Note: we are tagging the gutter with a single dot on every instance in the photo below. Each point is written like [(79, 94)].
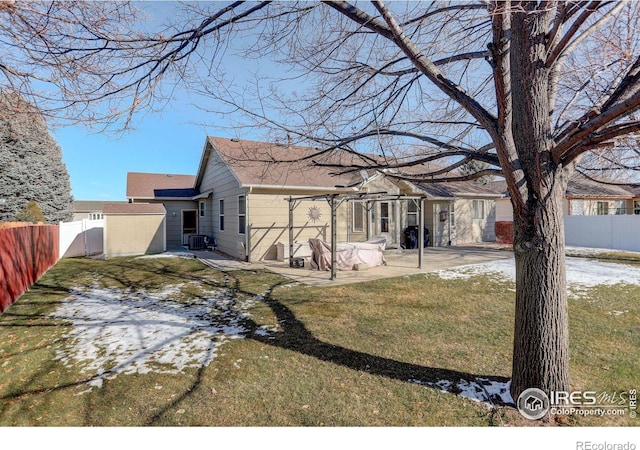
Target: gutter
[(300, 188)]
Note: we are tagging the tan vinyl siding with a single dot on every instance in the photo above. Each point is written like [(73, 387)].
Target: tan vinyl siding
[(134, 234), (470, 229), (268, 219), (218, 178), (439, 235), (205, 223)]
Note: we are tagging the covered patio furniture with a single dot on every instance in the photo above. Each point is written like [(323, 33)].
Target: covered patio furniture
[(348, 254)]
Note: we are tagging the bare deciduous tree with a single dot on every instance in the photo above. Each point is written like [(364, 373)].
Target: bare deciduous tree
[(527, 88)]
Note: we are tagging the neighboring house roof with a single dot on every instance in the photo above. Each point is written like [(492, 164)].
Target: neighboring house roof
[(582, 187), (453, 189), (148, 185), (90, 205), (134, 208), (275, 165), (635, 190)]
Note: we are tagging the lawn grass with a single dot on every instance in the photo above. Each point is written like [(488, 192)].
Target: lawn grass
[(340, 356)]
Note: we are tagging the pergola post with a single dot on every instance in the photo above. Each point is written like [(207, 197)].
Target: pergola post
[(291, 208), (334, 237), (420, 233)]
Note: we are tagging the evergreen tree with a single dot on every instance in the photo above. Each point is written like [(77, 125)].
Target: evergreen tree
[(31, 166)]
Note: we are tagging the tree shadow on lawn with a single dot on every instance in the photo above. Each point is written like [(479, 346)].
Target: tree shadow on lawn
[(293, 335)]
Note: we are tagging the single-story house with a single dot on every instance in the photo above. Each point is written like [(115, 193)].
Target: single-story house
[(589, 198), (584, 197), (240, 197), (462, 212)]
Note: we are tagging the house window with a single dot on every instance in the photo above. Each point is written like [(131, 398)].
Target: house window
[(242, 214), (221, 215), (620, 206), (384, 217), (636, 207), (412, 213), (201, 208), (603, 208), (478, 209), (96, 216), (357, 225)]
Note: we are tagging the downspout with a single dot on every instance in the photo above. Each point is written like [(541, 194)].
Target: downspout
[(291, 208), (247, 236), (420, 232), (449, 219), (334, 237)]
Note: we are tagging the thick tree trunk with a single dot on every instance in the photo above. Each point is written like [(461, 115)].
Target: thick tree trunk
[(541, 335), (541, 339)]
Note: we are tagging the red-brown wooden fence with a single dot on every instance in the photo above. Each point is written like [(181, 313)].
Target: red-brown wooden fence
[(504, 232), (26, 253)]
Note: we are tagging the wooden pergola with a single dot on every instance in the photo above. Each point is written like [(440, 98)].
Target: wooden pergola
[(336, 199)]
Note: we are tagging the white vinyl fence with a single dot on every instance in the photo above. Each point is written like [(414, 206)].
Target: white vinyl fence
[(619, 232), (81, 238)]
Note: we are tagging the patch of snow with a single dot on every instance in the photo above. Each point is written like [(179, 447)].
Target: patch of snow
[(482, 390), (588, 251), (618, 313), (117, 331), (581, 273), (186, 255)]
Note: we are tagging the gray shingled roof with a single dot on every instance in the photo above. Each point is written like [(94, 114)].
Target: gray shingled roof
[(464, 188)]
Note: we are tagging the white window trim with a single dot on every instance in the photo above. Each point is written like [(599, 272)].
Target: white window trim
[(202, 207), (221, 221), (363, 209), (244, 231), (412, 213), (473, 212), (387, 217), (604, 209)]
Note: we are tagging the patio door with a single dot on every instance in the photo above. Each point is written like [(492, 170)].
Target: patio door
[(386, 223), (189, 224)]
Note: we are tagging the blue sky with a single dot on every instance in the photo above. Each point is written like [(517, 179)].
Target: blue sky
[(98, 162), (167, 142)]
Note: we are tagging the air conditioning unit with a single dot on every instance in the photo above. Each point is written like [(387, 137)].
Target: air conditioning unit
[(197, 242)]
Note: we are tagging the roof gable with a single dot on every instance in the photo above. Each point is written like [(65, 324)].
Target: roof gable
[(262, 164)]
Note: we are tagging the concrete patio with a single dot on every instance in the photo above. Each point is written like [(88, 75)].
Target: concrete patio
[(399, 263)]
